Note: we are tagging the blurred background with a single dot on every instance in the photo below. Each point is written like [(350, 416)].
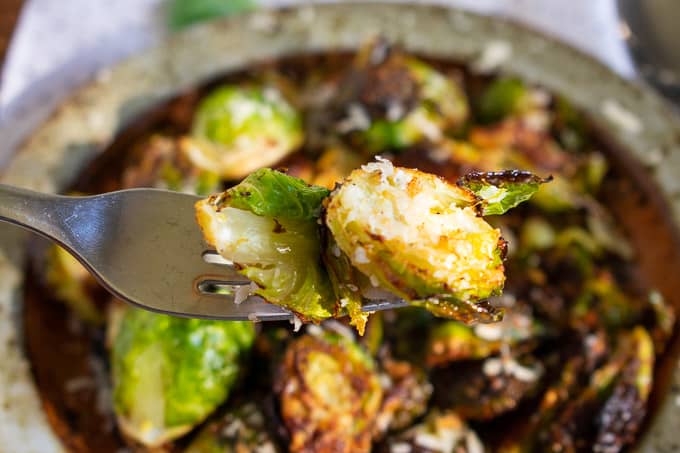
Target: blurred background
[(53, 46)]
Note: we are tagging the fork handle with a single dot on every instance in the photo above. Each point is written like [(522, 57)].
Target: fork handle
[(45, 214)]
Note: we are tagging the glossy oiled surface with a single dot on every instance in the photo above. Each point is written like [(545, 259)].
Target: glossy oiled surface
[(78, 131)]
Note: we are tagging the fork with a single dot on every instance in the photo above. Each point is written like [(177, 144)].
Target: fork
[(145, 247)]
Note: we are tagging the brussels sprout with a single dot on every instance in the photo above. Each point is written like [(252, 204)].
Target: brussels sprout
[(238, 129), (623, 412), (267, 225), (240, 430), (407, 392), (74, 285), (170, 373), (482, 390), (602, 296), (617, 391), (452, 341), (502, 98), (418, 237), (391, 101), (159, 162), (329, 393), (536, 234), (441, 432)]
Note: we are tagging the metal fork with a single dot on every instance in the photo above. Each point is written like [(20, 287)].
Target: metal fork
[(145, 247)]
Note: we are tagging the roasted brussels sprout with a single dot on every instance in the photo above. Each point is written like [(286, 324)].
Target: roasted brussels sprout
[(159, 162), (391, 101), (482, 390), (502, 98), (441, 432), (74, 285), (240, 430), (625, 409), (616, 392), (419, 237), (329, 393), (238, 129), (170, 373), (452, 341), (267, 225)]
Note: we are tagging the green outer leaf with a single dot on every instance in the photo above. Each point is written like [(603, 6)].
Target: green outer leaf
[(182, 13), (501, 191), (192, 364), (270, 193)]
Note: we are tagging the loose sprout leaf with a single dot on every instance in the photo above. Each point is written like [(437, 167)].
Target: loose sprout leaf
[(267, 226), (170, 373), (502, 191), (270, 193)]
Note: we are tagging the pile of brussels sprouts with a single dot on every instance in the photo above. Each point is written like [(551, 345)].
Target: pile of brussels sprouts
[(573, 357)]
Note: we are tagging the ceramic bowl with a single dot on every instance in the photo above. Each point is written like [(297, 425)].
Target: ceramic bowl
[(634, 118)]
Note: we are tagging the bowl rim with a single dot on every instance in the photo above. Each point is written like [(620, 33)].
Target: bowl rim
[(638, 120)]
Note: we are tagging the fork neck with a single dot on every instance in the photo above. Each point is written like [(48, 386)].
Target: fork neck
[(45, 214)]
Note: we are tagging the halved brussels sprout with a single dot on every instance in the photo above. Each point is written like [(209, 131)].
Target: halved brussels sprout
[(238, 129), (482, 390), (616, 392), (267, 225), (392, 101), (74, 285), (440, 432), (170, 373), (625, 409), (240, 430), (418, 237), (330, 394), (414, 234)]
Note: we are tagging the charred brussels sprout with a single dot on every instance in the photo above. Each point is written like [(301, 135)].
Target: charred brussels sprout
[(418, 237), (482, 390), (267, 225), (238, 129), (329, 393), (240, 430), (74, 285), (170, 373), (452, 341)]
